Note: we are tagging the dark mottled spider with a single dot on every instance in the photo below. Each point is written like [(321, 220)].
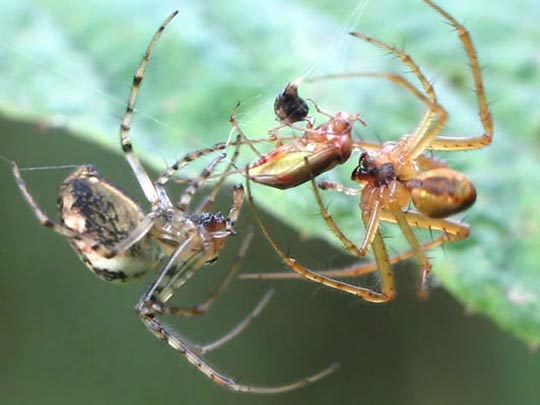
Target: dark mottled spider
[(118, 241)]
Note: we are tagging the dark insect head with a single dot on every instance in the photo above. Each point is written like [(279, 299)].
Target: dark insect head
[(289, 107)]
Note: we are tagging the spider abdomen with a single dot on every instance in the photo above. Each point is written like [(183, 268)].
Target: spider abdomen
[(439, 193), (94, 208)]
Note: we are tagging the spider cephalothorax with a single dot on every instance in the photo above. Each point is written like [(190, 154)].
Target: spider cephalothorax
[(369, 172), (436, 193)]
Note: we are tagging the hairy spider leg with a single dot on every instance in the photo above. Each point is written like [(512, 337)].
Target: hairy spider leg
[(468, 142), (387, 291), (451, 231)]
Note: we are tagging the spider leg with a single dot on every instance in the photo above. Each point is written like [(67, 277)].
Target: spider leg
[(383, 262), (205, 305), (420, 253), (371, 217), (189, 192), (40, 215), (166, 175), (428, 117), (384, 267), (148, 310), (209, 200), (235, 125), (419, 135), (356, 270), (465, 143), (405, 58), (364, 293), (426, 129), (433, 108), (125, 127), (42, 218), (350, 246), (453, 231), (237, 202), (241, 139), (425, 136), (331, 185), (220, 146), (239, 328), (347, 243)]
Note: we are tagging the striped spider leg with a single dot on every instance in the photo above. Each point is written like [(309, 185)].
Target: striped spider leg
[(118, 241), (396, 174)]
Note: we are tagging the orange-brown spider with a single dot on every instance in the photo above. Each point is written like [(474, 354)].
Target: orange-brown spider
[(395, 174)]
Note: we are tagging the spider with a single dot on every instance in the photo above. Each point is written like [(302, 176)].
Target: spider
[(396, 174), (118, 241)]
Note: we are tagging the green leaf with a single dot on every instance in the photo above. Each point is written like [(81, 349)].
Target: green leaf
[(74, 69)]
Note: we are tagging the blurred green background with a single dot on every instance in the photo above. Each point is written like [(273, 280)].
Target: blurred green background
[(67, 337)]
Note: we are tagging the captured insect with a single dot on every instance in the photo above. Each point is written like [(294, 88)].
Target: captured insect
[(118, 241), (289, 107), (321, 148), (296, 159), (396, 174)]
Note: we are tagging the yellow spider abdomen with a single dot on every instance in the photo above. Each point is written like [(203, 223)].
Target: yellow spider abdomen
[(439, 193)]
